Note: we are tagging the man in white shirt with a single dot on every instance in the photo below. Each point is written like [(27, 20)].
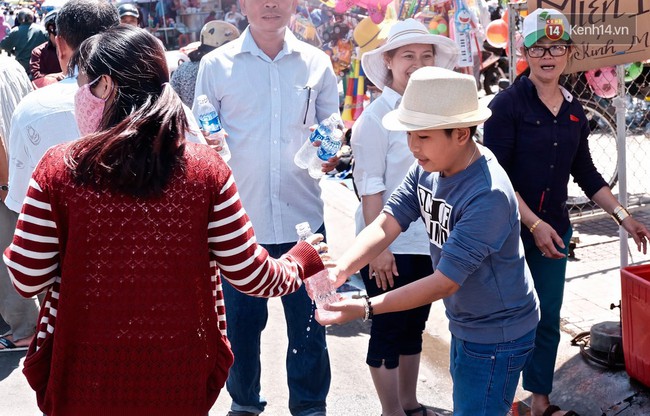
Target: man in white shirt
[(19, 313), (269, 88), (45, 117)]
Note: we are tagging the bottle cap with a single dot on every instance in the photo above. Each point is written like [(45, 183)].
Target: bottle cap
[(303, 229), (202, 99)]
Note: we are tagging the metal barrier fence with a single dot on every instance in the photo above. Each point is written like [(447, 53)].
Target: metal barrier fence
[(598, 90)]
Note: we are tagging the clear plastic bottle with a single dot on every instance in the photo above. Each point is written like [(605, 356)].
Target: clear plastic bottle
[(306, 152), (328, 148), (209, 121), (318, 285)]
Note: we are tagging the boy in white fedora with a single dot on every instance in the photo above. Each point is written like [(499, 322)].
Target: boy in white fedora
[(381, 160), (469, 210)]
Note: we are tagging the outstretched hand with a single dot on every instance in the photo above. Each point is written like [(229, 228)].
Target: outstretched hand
[(341, 312)]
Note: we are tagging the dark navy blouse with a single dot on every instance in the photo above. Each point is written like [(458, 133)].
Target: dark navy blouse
[(539, 150)]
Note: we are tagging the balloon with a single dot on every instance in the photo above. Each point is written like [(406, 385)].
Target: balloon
[(505, 17), (438, 26), (496, 33), (522, 65)]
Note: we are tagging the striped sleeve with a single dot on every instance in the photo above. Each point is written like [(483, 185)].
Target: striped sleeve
[(33, 257), (243, 262)]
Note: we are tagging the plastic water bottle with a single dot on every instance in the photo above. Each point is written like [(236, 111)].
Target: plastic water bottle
[(328, 148), (318, 285), (209, 121), (307, 150)]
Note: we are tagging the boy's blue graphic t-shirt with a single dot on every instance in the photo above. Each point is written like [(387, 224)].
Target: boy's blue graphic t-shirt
[(473, 226)]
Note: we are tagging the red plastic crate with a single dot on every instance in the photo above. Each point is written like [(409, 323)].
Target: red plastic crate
[(635, 306)]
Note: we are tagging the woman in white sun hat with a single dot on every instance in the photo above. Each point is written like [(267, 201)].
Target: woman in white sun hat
[(382, 159), (460, 194), (539, 133)]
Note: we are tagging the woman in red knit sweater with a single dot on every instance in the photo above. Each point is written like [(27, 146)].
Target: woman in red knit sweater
[(128, 232)]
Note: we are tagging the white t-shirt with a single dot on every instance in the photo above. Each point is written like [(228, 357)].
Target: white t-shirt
[(43, 118)]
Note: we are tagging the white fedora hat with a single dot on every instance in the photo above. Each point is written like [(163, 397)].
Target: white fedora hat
[(407, 32), (437, 98)]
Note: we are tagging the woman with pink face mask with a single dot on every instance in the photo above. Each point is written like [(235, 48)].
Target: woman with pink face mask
[(128, 232)]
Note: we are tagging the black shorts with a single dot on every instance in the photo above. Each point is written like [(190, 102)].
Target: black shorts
[(398, 333)]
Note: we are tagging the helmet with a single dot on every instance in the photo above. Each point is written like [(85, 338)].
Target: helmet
[(50, 19), (128, 10), (25, 16), (217, 33)]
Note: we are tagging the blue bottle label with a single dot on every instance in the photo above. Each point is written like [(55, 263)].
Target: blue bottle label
[(318, 134), (210, 122), (328, 148)]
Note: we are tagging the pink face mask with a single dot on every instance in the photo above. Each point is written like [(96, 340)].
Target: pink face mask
[(88, 109)]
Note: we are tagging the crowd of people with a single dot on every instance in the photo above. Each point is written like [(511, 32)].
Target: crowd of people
[(128, 233)]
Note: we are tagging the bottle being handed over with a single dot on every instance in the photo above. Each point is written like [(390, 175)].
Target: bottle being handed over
[(319, 286), (324, 129), (329, 147), (209, 121)]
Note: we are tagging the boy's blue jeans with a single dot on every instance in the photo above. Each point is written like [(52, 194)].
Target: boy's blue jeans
[(308, 367), (485, 376)]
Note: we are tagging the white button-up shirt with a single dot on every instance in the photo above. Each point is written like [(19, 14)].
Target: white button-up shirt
[(266, 106), (381, 161)]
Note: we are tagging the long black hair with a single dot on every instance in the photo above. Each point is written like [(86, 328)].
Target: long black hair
[(141, 134)]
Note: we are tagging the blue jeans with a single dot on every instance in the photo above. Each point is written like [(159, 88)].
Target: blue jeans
[(549, 276), (485, 376), (308, 367)]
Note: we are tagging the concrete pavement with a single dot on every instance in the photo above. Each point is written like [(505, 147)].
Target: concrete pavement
[(593, 283)]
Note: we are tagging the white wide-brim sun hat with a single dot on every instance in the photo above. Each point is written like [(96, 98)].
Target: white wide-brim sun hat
[(438, 98), (407, 32)]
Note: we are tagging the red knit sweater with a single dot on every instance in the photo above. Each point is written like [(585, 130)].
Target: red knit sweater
[(131, 323)]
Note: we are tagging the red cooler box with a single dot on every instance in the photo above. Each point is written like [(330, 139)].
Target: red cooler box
[(635, 292)]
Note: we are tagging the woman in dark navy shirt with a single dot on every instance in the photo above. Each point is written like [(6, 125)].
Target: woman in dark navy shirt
[(538, 132)]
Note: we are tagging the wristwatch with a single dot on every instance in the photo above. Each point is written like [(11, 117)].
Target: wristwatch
[(4, 187)]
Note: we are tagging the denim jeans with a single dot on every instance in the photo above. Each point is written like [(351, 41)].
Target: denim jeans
[(549, 276), (485, 376), (307, 361)]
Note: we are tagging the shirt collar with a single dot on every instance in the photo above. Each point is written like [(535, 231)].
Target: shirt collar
[(291, 44), (533, 91), (391, 96)]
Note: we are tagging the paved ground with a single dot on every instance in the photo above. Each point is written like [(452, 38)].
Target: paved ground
[(593, 283)]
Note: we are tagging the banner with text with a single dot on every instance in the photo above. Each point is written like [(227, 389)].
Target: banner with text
[(604, 32)]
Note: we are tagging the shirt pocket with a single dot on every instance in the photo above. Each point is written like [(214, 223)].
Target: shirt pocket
[(534, 136), (305, 103)]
